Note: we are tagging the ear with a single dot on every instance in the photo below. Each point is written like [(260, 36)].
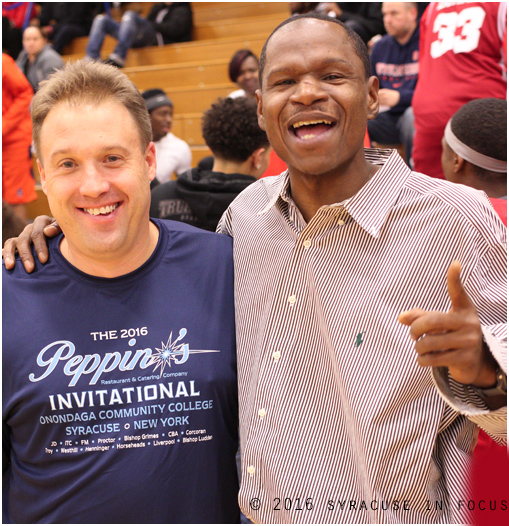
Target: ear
[(150, 159), (42, 175), (459, 164), (256, 158), (372, 97), (259, 110)]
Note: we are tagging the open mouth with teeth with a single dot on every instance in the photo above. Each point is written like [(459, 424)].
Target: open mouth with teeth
[(103, 211), (307, 130)]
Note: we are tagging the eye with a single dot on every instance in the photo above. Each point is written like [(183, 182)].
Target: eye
[(333, 76), (67, 164), (285, 82), (112, 158)]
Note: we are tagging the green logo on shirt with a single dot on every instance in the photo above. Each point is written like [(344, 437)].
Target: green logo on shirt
[(358, 340)]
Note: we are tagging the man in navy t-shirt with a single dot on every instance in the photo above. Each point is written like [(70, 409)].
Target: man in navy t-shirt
[(119, 367)]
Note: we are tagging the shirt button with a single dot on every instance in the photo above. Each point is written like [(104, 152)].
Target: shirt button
[(262, 412), (276, 355), (307, 243), (341, 222), (251, 470), (292, 299)]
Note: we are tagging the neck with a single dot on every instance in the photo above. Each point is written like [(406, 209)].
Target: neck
[(311, 192), (107, 265), (231, 167)]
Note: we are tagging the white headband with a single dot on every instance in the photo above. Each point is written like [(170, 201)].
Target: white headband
[(476, 158)]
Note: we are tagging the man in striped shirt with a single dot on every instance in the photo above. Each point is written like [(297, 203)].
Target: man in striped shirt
[(345, 416)]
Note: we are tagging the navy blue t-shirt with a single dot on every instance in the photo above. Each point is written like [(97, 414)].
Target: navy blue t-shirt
[(120, 395)]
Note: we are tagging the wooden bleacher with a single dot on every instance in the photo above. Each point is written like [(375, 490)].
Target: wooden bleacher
[(193, 74)]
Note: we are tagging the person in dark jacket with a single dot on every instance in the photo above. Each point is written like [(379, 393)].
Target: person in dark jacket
[(241, 153), (365, 18), (62, 22), (167, 23)]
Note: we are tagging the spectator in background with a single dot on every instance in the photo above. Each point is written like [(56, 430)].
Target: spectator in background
[(38, 59), (365, 18), (173, 154), (474, 150), (243, 70), (394, 60), (462, 61), (241, 155), (14, 16), (18, 184), (62, 22), (167, 23)]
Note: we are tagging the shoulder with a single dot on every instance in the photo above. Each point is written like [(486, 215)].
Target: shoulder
[(164, 190), (459, 205), (237, 93), (18, 274), (174, 141), (49, 55), (384, 42), (205, 239)]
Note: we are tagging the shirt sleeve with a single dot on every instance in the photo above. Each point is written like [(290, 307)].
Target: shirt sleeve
[(225, 223)]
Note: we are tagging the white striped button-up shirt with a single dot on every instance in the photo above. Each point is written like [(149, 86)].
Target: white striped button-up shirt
[(338, 422)]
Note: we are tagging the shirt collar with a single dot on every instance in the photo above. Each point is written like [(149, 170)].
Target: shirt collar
[(372, 203)]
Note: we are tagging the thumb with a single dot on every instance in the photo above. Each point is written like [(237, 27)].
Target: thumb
[(459, 298)]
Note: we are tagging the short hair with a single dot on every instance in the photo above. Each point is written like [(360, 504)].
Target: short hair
[(357, 43), (236, 62), (481, 124), (38, 29), (87, 81), (230, 129)]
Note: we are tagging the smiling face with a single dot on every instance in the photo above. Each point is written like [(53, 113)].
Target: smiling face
[(161, 119), (315, 99), (248, 76), (97, 179)]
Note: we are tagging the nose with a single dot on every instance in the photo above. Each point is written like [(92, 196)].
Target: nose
[(93, 183), (308, 91)]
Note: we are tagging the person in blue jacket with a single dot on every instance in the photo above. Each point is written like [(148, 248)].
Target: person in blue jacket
[(394, 60)]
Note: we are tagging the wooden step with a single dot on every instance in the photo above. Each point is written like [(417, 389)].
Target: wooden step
[(207, 12), (221, 48), (187, 126), (197, 100), (238, 26), (194, 74)]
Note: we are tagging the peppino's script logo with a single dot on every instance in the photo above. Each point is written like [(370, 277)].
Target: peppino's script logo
[(77, 365)]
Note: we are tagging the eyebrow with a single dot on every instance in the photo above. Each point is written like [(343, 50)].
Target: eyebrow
[(327, 61), (107, 148)]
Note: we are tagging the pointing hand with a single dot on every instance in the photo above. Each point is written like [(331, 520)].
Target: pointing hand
[(452, 339)]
